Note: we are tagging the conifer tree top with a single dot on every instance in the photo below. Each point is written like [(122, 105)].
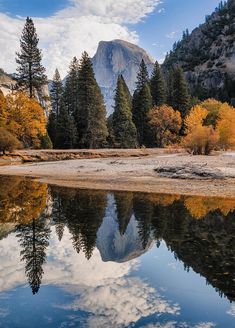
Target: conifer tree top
[(143, 76)]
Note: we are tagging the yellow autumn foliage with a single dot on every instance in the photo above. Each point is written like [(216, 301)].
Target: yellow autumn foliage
[(25, 119), (210, 125), (163, 199), (195, 118), (226, 127), (21, 200), (199, 207)]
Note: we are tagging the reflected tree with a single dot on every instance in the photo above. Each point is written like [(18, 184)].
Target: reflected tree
[(124, 208), (21, 199), (143, 210), (34, 239), (82, 212)]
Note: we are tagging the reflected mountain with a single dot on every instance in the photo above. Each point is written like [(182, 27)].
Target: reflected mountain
[(200, 231), (118, 238)]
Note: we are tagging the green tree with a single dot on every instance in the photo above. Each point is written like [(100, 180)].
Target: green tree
[(66, 133), (71, 88), (46, 142), (124, 209), (52, 127), (158, 89), (34, 239), (169, 87), (180, 97), (56, 92), (141, 105), (31, 73), (124, 130), (90, 117)]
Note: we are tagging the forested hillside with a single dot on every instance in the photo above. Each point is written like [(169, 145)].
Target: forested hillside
[(207, 55)]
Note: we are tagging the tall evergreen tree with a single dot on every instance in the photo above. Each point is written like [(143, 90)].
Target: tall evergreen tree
[(34, 239), (180, 96), (52, 127), (141, 105), (71, 88), (127, 91), (31, 73), (169, 82), (90, 117), (56, 92), (66, 133), (124, 208), (143, 76), (124, 130), (158, 88)]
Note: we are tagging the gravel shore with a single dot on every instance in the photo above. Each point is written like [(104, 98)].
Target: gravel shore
[(155, 172)]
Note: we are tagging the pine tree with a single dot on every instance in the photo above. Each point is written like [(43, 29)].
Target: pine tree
[(31, 73), (124, 130), (90, 117), (180, 96), (143, 76), (56, 92), (169, 79), (141, 105), (34, 239), (158, 89), (66, 133), (71, 88), (127, 91)]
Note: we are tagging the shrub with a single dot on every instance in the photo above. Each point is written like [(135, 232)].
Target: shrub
[(8, 142), (201, 140), (166, 124), (46, 142)]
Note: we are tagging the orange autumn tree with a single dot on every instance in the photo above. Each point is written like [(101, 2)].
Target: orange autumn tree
[(25, 119), (2, 109), (225, 127), (210, 125), (166, 124), (21, 200), (200, 139)]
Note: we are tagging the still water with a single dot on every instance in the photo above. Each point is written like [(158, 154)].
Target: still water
[(81, 258)]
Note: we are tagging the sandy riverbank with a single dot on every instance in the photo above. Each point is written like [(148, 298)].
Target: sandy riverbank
[(138, 173)]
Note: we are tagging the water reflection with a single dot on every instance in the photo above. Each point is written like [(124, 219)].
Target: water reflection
[(90, 243)]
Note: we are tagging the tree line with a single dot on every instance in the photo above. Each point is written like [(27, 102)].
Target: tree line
[(157, 115), (78, 117)]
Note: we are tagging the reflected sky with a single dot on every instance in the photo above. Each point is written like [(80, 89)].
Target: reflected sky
[(96, 259)]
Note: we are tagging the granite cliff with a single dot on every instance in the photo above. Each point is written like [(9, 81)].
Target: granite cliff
[(114, 58)]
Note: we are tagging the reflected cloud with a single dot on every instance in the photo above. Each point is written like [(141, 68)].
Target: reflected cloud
[(231, 311), (4, 312), (120, 302), (175, 324)]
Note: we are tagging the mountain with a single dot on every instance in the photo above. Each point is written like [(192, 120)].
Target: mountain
[(207, 55), (116, 247), (114, 58), (8, 83)]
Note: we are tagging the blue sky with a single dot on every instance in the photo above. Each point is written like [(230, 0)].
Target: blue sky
[(66, 27)]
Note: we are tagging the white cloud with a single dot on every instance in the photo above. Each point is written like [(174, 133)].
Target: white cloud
[(171, 35), (72, 30), (120, 302), (231, 311)]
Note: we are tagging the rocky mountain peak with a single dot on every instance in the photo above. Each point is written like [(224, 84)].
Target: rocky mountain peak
[(114, 58)]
